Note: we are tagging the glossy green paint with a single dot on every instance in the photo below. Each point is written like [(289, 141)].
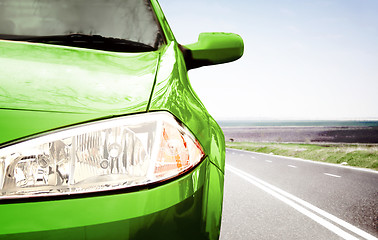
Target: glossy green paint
[(122, 216), (42, 77), (214, 199), (18, 124), (173, 93), (50, 87), (215, 48), (46, 87)]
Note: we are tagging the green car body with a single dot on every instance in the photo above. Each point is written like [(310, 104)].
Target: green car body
[(45, 88)]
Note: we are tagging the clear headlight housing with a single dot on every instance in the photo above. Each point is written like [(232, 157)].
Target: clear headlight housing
[(110, 154)]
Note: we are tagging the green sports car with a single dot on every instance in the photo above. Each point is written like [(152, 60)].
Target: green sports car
[(101, 134)]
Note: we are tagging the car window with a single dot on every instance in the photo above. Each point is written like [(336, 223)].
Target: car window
[(113, 20)]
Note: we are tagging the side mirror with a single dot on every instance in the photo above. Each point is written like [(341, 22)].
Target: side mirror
[(213, 48)]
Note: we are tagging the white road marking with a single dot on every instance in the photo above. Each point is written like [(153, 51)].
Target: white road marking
[(304, 207), (253, 157), (292, 166), (268, 161), (332, 175), (308, 161)]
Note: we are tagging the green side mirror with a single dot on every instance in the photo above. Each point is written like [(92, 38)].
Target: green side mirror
[(213, 48)]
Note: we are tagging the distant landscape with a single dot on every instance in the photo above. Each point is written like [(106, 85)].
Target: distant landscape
[(353, 143), (301, 131)]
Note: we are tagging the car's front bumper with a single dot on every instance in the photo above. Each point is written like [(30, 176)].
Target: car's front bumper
[(178, 209)]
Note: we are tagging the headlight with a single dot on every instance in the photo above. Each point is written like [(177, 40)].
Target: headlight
[(110, 154)]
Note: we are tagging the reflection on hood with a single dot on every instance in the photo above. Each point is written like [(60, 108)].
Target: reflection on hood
[(42, 77)]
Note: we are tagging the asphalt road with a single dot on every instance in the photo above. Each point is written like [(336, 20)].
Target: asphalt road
[(273, 197)]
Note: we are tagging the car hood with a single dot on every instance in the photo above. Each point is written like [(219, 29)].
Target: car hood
[(43, 77), (45, 87)]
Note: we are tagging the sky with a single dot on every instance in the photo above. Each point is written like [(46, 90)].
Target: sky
[(303, 60)]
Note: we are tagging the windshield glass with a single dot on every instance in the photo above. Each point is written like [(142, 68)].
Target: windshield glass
[(115, 20)]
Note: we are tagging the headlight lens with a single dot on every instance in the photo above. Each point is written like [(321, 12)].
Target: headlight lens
[(110, 154)]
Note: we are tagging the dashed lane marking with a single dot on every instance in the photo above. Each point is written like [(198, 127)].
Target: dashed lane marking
[(320, 216), (332, 175)]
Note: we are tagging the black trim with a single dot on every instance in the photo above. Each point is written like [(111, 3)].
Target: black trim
[(190, 62), (95, 42)]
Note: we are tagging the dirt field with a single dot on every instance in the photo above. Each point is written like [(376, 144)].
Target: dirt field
[(302, 134)]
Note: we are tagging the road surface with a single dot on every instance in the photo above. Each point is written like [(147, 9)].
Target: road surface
[(273, 197)]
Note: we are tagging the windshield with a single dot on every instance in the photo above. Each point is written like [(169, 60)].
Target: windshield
[(89, 23)]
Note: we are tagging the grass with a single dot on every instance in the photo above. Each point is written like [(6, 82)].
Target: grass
[(358, 155)]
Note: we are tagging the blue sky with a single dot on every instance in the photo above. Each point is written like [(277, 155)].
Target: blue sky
[(303, 59)]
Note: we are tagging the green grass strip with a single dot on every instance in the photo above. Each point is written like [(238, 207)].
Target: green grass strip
[(358, 155)]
